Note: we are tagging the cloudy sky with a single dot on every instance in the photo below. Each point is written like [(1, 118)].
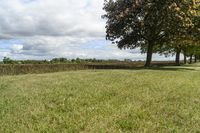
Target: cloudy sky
[(45, 29)]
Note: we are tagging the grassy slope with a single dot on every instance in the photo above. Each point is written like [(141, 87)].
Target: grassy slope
[(165, 100)]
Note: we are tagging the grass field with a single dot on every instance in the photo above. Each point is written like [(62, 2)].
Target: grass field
[(144, 100)]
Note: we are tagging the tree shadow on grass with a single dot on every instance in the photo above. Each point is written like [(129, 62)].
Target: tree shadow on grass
[(171, 69), (154, 67), (166, 68)]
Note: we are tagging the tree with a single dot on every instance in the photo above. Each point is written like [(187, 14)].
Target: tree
[(60, 60), (145, 23), (189, 41), (188, 35), (7, 60)]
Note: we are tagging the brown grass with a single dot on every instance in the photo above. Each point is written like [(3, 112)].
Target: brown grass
[(49, 68)]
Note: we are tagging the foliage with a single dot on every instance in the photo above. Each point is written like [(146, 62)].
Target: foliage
[(146, 24), (58, 61), (7, 60)]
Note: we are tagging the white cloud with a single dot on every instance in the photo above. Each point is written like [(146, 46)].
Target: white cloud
[(51, 18), (47, 25), (16, 48)]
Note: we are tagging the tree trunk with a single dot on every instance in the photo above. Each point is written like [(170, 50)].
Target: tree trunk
[(178, 52), (191, 59), (149, 55), (185, 58), (195, 58)]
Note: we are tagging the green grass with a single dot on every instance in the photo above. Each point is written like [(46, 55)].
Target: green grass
[(155, 100)]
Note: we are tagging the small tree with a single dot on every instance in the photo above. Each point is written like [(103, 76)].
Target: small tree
[(7, 60)]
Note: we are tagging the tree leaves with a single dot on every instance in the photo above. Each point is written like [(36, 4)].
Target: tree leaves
[(140, 23)]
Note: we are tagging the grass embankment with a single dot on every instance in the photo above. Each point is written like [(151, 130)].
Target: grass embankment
[(159, 100)]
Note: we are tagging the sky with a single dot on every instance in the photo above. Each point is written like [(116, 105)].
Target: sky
[(46, 29)]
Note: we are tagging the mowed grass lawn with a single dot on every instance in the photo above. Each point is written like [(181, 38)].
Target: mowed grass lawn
[(159, 100)]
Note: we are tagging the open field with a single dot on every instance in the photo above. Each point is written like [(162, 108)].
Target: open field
[(165, 99)]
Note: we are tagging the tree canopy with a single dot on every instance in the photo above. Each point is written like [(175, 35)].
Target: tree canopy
[(150, 23)]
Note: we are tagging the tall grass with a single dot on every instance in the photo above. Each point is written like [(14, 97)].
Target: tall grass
[(43, 68), (16, 69)]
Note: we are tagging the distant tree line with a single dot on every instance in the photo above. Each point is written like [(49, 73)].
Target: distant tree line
[(189, 58), (7, 60)]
